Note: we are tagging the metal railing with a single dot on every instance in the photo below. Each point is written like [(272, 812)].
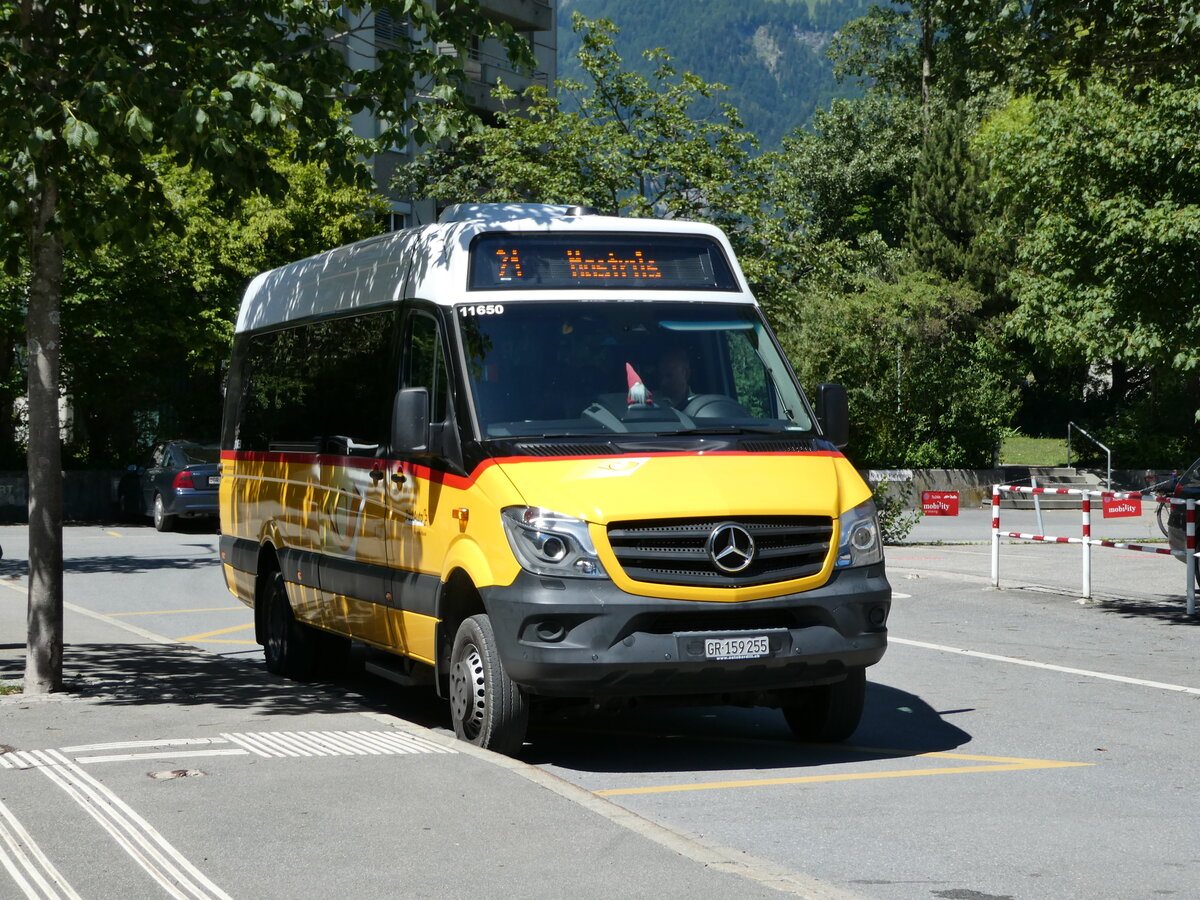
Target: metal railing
[(1107, 452)]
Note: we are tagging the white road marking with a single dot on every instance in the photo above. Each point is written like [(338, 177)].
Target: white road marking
[(267, 744), (1012, 660), (149, 849), (130, 745), (37, 879), (177, 754), (48, 883)]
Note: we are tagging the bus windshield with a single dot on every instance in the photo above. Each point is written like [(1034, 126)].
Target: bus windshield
[(598, 368)]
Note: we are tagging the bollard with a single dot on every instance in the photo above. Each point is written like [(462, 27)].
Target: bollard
[(1190, 557), (1086, 507), (995, 535)]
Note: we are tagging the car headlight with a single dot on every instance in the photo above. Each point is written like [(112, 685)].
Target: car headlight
[(549, 543), (860, 543)]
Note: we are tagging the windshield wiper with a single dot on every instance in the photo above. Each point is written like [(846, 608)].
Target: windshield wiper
[(732, 429)]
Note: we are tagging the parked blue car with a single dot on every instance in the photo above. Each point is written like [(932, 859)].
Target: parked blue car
[(179, 480)]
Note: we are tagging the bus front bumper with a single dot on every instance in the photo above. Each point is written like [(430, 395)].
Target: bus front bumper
[(577, 638)]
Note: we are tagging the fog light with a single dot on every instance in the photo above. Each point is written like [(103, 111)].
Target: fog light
[(549, 632), (877, 615)]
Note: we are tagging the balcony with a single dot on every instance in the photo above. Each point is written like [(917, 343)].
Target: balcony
[(523, 15)]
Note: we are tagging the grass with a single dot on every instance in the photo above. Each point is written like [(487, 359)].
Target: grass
[(1019, 450), (9, 689)]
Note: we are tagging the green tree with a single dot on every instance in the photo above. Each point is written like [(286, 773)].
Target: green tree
[(1100, 194), (632, 144), (149, 327), (851, 175), (88, 91), (948, 211), (928, 384)]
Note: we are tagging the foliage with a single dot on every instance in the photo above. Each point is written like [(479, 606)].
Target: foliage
[(948, 216), (770, 54), (928, 387), (632, 146), (851, 175), (896, 520), (93, 97), (157, 320), (1040, 49), (1101, 196)]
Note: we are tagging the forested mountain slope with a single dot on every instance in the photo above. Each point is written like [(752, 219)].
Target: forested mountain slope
[(769, 53)]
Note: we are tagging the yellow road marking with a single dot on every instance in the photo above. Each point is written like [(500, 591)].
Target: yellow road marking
[(998, 764), (167, 612), (115, 533), (208, 634), (19, 588)]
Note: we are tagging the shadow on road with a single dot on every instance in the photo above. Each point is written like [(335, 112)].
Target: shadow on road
[(145, 674), (651, 739), (665, 739)]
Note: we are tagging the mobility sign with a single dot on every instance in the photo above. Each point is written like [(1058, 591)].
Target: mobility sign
[(939, 503), (1127, 505)]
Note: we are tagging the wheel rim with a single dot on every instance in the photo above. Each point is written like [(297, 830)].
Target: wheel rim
[(159, 512), (468, 691)]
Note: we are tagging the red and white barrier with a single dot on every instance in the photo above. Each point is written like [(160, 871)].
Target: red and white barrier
[(1086, 541)]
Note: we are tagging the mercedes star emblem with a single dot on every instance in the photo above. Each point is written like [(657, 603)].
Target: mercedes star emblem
[(730, 547)]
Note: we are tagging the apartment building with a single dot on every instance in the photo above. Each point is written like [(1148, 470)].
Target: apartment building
[(485, 65)]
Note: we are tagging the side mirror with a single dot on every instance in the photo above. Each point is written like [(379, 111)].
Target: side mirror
[(410, 422), (833, 412)]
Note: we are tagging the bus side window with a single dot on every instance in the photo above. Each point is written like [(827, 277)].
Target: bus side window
[(313, 388), (425, 365)]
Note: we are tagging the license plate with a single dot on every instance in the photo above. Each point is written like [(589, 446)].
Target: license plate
[(737, 647), (214, 480)]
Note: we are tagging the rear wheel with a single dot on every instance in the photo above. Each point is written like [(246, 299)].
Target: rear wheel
[(1163, 513), (487, 707), (289, 645), (162, 521), (827, 713)]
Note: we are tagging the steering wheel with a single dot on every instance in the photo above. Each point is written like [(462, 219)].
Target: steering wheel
[(713, 406)]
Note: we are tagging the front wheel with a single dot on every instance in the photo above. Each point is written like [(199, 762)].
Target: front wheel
[(487, 707), (827, 713), (1163, 514)]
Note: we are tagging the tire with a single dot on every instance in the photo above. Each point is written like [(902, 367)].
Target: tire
[(1163, 514), (288, 649), (162, 521), (828, 713), (487, 707)]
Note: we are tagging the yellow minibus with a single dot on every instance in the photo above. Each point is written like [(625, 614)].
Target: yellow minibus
[(532, 454)]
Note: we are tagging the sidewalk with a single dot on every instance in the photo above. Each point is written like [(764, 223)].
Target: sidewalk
[(502, 825)]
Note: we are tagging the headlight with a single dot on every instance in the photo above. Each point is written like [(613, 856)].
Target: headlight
[(549, 543), (860, 544)]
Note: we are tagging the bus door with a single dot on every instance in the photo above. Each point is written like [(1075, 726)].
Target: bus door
[(420, 515), (356, 359)]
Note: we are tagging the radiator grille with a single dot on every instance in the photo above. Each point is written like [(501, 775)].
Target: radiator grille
[(675, 551)]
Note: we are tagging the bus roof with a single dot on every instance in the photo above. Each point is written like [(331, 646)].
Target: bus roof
[(431, 263)]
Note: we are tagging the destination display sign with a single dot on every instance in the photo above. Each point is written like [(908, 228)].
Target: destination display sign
[(506, 261)]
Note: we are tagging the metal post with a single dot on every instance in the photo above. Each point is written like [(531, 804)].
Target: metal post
[(1190, 557), (995, 535), (1037, 504), (1086, 507)]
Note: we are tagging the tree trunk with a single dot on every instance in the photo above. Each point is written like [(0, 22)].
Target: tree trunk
[(44, 650)]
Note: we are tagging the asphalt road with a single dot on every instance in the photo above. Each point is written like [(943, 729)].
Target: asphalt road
[(1017, 743)]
